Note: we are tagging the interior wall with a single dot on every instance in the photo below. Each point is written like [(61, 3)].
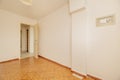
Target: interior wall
[(10, 34), (55, 36), (103, 54)]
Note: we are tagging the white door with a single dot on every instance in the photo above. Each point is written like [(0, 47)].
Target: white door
[(79, 42), (36, 40)]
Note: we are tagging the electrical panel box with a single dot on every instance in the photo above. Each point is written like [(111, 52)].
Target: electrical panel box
[(104, 21)]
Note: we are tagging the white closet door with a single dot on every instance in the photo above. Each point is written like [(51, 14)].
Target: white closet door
[(79, 45), (36, 40)]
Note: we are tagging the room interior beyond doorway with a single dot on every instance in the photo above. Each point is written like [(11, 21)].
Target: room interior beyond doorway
[(26, 41)]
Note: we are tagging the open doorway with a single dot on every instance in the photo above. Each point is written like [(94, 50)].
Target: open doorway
[(26, 41)]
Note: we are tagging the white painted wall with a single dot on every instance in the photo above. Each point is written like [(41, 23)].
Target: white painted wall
[(10, 34), (55, 36), (103, 57)]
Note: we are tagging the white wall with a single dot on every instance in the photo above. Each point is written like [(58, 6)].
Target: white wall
[(55, 36), (103, 57), (10, 34)]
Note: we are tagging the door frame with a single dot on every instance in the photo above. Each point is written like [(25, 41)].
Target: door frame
[(27, 38), (35, 38)]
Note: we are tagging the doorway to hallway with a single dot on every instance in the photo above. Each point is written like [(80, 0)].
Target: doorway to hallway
[(26, 41)]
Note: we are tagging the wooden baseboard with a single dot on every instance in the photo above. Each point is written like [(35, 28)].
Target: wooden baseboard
[(54, 62), (9, 60), (74, 72), (63, 66), (93, 77), (84, 76)]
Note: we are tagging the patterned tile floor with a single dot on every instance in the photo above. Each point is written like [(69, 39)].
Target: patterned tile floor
[(34, 69)]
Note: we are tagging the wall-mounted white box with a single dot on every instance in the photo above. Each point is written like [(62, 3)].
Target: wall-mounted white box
[(104, 21)]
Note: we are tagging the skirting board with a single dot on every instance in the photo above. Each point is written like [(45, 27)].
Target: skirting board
[(80, 77), (54, 62), (93, 77), (9, 60), (78, 74), (74, 73)]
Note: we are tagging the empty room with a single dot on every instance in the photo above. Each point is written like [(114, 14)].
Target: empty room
[(59, 39)]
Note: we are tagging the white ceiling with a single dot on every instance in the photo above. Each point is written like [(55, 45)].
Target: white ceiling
[(39, 8)]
